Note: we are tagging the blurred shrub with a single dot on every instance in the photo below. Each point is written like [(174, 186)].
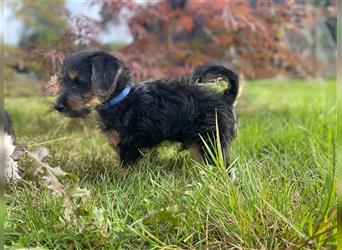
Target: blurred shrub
[(43, 22), (50, 31), (173, 36)]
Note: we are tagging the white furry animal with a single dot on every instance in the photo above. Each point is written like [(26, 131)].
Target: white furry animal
[(11, 171)]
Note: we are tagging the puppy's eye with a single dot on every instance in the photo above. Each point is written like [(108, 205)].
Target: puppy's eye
[(77, 81)]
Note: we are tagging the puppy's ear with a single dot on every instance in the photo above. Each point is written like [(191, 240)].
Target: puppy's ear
[(106, 70)]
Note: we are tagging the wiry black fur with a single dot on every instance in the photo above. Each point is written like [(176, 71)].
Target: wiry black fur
[(203, 70), (158, 110)]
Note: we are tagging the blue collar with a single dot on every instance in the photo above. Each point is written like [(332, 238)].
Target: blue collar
[(115, 100)]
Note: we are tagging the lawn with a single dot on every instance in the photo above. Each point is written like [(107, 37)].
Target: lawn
[(284, 195)]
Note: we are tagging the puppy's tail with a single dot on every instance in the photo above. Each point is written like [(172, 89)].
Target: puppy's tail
[(234, 90)]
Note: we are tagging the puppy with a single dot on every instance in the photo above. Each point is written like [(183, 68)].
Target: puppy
[(142, 115), (11, 171)]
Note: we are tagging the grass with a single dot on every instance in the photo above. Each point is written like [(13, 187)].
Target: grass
[(284, 195)]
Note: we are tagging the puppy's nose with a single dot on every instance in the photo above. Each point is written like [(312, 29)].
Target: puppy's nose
[(59, 107)]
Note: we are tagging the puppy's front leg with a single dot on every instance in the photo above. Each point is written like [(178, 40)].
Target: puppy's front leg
[(128, 155), (123, 146), (114, 140)]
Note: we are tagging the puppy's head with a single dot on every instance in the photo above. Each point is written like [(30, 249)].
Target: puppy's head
[(87, 79)]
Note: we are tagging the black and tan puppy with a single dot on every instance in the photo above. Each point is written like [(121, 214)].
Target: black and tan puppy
[(142, 115)]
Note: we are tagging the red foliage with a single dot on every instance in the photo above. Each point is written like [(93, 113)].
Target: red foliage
[(84, 30), (54, 56), (171, 37)]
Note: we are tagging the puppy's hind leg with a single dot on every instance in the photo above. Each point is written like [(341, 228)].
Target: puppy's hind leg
[(128, 155), (196, 152), (231, 170), (211, 153), (200, 154)]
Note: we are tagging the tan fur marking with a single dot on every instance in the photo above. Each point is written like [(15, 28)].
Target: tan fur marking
[(114, 84), (113, 139), (241, 86), (90, 102), (72, 75), (196, 153), (93, 101), (75, 105)]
